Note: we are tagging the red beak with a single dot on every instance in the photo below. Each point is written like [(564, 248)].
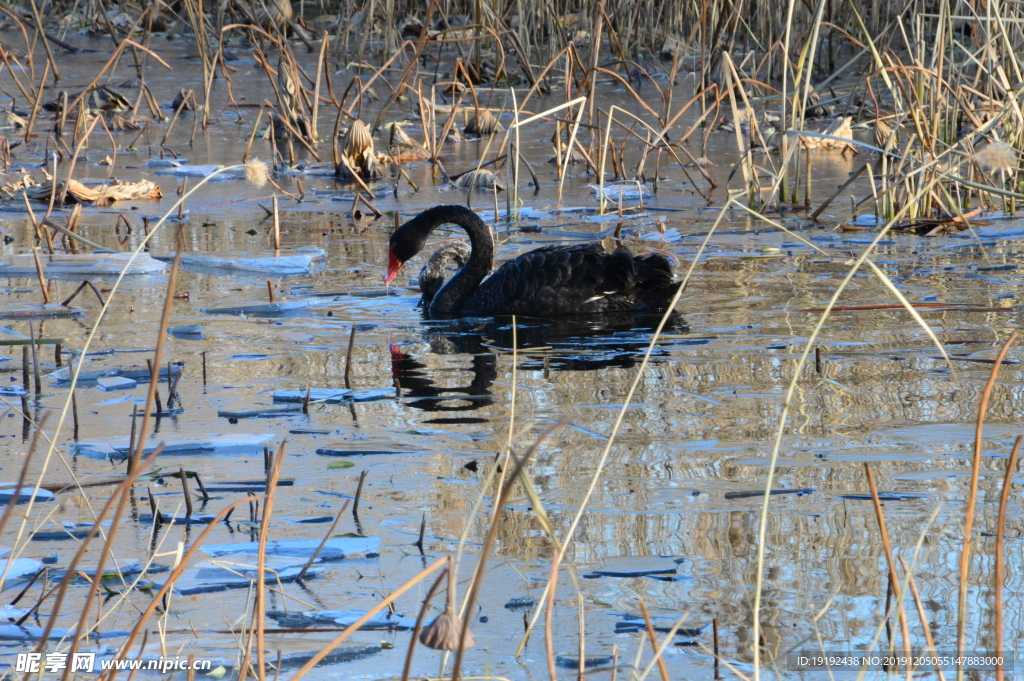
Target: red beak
[(394, 264)]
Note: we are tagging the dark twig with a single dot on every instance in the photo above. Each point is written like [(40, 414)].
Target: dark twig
[(323, 542)]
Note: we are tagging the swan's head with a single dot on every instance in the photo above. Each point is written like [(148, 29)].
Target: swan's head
[(406, 241), (409, 239)]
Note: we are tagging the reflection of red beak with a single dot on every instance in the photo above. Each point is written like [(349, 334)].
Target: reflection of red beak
[(393, 266)]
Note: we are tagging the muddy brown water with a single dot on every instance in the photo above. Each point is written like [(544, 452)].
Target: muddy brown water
[(697, 435)]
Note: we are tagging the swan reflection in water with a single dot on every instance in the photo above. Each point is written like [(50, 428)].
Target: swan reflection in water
[(607, 341)]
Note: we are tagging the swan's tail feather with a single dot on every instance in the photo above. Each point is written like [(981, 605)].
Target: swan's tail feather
[(654, 271)]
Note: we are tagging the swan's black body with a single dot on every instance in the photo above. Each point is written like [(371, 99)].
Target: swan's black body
[(547, 282)]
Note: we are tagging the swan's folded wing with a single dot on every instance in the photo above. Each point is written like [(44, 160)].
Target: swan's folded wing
[(554, 279)]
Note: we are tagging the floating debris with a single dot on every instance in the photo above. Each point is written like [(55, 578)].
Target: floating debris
[(840, 127), (247, 485), (883, 496), (611, 217), (76, 192), (357, 157), (483, 123), (997, 156), (236, 445), (166, 162), (520, 604), (866, 220), (79, 265), (71, 531), (478, 179), (760, 493), (405, 149), (343, 451), (187, 332), (114, 572), (8, 612), (631, 624), (635, 566), (179, 518), (566, 662)]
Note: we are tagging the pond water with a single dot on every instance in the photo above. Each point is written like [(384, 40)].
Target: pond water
[(671, 519)]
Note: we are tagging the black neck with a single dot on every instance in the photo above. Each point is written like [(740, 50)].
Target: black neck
[(460, 287)]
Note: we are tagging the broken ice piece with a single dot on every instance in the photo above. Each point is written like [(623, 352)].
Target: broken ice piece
[(115, 383), (19, 567), (282, 309), (82, 264), (336, 548), (236, 445), (276, 265), (333, 395), (25, 494)]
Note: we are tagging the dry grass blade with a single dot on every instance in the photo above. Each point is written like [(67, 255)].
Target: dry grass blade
[(654, 638), (659, 649), (478, 574), (972, 501), (893, 576), (599, 468), (76, 371), (326, 650), (925, 627), (158, 596), (120, 496), (419, 623), (997, 587), (259, 610), (784, 416)]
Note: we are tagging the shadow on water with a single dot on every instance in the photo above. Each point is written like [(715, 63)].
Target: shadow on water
[(575, 345)]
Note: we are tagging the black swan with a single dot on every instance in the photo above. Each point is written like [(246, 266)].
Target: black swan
[(445, 261), (549, 281)]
